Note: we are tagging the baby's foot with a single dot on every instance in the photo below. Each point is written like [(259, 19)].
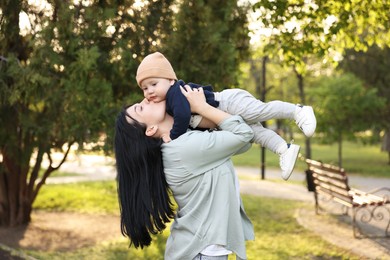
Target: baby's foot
[(288, 159), (305, 119)]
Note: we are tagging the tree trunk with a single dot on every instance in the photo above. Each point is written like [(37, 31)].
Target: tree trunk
[(386, 144), (4, 217), (15, 206), (340, 150), (17, 191), (263, 95)]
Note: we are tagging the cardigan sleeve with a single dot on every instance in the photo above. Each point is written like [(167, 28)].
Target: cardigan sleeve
[(202, 151)]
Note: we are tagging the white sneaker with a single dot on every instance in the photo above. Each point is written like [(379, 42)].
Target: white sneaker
[(288, 159), (305, 119)]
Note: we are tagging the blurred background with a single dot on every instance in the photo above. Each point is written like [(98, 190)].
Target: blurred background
[(68, 67)]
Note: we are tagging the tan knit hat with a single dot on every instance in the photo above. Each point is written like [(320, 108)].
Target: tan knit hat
[(155, 65)]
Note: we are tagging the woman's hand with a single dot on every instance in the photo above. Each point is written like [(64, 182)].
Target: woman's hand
[(195, 97), (198, 104)]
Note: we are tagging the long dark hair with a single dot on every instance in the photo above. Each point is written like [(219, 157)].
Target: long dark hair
[(143, 192)]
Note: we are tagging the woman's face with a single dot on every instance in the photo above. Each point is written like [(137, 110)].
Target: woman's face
[(148, 113)]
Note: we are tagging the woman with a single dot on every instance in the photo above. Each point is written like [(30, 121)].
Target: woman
[(210, 220)]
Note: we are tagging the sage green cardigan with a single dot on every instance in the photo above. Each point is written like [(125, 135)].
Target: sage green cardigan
[(199, 171)]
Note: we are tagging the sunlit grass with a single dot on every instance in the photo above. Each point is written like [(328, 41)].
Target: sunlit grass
[(278, 235), (84, 197)]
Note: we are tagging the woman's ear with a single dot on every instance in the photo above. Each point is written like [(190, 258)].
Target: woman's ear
[(151, 130)]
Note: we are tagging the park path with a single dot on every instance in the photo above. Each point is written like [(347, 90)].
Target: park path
[(93, 168)]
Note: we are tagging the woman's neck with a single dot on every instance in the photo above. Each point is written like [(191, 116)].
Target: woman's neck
[(165, 127)]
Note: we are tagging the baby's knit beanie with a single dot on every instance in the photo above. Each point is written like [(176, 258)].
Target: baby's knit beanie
[(155, 65)]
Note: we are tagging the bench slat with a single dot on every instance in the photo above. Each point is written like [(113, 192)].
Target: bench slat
[(333, 175), (332, 182), (339, 200), (342, 195), (333, 189), (320, 165)]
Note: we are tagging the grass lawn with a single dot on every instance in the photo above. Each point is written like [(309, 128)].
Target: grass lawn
[(365, 160), (278, 235)]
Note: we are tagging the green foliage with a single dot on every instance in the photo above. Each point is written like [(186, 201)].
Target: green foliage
[(305, 28), (344, 107), (209, 40), (373, 68)]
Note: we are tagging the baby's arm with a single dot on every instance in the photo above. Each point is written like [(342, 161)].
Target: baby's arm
[(179, 108)]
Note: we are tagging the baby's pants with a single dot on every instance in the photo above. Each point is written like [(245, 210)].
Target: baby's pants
[(254, 111)]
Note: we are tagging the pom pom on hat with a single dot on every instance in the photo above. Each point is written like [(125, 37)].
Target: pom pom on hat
[(155, 65)]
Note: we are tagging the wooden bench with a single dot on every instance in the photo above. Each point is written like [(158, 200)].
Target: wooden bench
[(331, 183)]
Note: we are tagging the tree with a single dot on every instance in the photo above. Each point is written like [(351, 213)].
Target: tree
[(301, 28), (373, 68), (49, 100), (345, 107), (60, 82), (209, 40)]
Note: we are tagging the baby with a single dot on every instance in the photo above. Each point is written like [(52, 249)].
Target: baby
[(158, 81)]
